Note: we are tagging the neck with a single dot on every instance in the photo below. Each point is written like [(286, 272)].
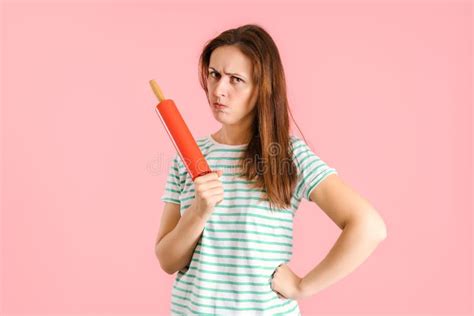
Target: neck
[(230, 135)]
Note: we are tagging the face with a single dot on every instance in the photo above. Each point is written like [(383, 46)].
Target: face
[(230, 83)]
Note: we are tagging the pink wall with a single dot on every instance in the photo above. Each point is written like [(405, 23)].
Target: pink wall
[(383, 93)]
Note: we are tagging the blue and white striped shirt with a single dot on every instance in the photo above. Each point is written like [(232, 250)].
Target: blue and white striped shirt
[(243, 241)]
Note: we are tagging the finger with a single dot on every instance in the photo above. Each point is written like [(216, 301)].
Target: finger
[(214, 191), (272, 286), (276, 269), (206, 177), (210, 180), (216, 199), (210, 184)]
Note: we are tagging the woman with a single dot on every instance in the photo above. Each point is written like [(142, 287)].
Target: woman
[(229, 233)]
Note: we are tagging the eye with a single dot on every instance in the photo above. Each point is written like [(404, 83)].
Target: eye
[(212, 73)]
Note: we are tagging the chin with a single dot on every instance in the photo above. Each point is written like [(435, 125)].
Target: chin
[(224, 120), (221, 120)]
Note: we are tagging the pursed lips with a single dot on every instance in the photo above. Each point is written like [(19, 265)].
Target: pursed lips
[(219, 105)]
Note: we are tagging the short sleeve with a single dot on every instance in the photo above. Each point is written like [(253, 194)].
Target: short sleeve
[(173, 186), (311, 169)]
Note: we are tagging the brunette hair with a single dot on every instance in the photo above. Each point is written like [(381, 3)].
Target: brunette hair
[(268, 156)]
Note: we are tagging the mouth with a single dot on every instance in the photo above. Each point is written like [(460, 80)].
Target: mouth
[(219, 106)]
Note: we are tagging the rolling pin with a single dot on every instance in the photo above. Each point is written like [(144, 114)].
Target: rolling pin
[(180, 134)]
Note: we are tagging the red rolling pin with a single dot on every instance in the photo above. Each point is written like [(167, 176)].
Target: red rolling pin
[(180, 135)]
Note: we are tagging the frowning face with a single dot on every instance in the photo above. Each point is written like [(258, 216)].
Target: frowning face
[(230, 84)]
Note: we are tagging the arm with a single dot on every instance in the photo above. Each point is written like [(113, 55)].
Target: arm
[(178, 237), (362, 230)]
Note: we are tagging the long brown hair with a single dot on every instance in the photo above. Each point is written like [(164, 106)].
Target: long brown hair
[(268, 157)]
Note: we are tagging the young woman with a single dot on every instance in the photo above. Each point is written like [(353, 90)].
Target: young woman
[(229, 233)]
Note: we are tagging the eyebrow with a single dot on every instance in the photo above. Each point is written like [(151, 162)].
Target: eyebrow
[(229, 73)]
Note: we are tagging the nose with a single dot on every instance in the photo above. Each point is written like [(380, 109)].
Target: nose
[(220, 89)]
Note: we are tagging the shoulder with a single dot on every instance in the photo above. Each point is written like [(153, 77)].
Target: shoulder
[(295, 140), (302, 153), (202, 141), (298, 145)]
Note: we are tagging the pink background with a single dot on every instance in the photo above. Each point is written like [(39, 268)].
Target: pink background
[(382, 92)]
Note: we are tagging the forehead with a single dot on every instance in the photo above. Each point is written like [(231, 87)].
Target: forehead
[(230, 59)]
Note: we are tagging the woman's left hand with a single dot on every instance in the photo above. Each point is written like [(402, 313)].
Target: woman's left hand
[(286, 283)]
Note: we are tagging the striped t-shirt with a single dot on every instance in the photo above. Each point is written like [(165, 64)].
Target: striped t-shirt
[(243, 241)]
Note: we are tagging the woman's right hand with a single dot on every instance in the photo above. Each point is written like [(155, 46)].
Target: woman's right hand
[(208, 192)]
